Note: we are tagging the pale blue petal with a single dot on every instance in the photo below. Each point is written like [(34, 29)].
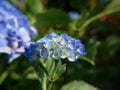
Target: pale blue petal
[(74, 15), (44, 53), (13, 56), (24, 34), (57, 53), (72, 57)]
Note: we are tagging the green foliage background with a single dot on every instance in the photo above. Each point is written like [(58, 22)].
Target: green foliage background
[(98, 28)]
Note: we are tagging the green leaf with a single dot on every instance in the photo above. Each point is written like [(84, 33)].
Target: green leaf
[(40, 69), (109, 46), (78, 85), (59, 64), (50, 66), (91, 49), (36, 4), (32, 75), (99, 11), (87, 59), (60, 69), (15, 76), (51, 18), (3, 76)]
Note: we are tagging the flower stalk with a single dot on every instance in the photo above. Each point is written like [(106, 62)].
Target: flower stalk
[(53, 47)]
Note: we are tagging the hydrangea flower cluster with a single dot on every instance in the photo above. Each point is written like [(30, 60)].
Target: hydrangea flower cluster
[(74, 15), (15, 30), (55, 46)]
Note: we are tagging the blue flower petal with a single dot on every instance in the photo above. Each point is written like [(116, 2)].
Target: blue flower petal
[(74, 15), (15, 30), (72, 56), (13, 56), (44, 53), (57, 53)]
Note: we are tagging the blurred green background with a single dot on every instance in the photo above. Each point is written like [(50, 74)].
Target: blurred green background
[(97, 26)]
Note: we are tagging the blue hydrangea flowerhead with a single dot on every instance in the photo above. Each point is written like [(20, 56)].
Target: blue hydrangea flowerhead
[(74, 15), (15, 30), (57, 47)]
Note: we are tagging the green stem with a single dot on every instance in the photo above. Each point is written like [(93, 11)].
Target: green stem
[(44, 82), (91, 19), (3, 76), (36, 67), (50, 85)]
